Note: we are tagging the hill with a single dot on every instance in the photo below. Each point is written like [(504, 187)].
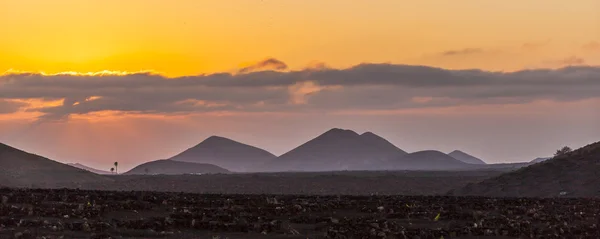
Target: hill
[(90, 169), (429, 160), (171, 167), (21, 169), (338, 149), (467, 158), (574, 174), (225, 153), (539, 160)]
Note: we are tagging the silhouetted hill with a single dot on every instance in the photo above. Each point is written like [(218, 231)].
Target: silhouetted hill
[(21, 169), (380, 147), (338, 149), (464, 157), (576, 174), (171, 167), (225, 153), (429, 160), (90, 169), (539, 160)]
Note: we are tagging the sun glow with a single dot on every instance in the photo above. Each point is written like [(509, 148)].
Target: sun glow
[(76, 73)]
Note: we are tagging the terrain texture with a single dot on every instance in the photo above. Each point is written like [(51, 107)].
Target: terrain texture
[(105, 214)]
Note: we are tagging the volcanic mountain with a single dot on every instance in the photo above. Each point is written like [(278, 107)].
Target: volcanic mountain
[(573, 174), (429, 160), (467, 158), (90, 169), (171, 167), (22, 169), (338, 149), (225, 153)]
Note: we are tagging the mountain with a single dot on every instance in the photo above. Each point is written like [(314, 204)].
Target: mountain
[(171, 167), (429, 160), (573, 174), (225, 153), (93, 170), (338, 149), (539, 160), (464, 157), (21, 169)]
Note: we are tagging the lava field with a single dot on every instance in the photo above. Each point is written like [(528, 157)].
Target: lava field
[(69, 213)]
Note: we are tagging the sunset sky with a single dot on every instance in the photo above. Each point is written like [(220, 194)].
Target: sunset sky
[(99, 81)]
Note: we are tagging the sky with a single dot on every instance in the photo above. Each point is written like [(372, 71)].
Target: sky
[(100, 81)]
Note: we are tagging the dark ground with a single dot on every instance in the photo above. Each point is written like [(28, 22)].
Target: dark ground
[(322, 183), (576, 173), (28, 213)]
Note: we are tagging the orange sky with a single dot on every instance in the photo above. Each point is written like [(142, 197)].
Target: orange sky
[(195, 36), (190, 37)]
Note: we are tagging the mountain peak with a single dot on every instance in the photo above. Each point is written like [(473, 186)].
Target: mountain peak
[(369, 133), (341, 132), (226, 153), (215, 138)]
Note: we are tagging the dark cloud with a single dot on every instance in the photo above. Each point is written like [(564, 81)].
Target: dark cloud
[(466, 51), (362, 87), (267, 64), (7, 107)]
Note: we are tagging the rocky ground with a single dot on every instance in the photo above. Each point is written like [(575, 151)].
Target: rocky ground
[(65, 213)]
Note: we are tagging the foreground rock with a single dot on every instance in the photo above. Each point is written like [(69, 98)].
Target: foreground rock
[(105, 214)]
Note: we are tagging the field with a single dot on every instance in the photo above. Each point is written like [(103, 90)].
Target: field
[(51, 213), (323, 183)]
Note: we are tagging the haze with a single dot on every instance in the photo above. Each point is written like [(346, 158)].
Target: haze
[(148, 79)]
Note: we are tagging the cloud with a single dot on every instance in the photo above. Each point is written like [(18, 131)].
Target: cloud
[(8, 106), (267, 64), (466, 51), (362, 87)]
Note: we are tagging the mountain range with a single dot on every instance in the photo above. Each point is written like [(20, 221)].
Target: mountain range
[(334, 150)]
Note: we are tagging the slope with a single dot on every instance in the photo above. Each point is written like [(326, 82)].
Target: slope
[(226, 153), (171, 167), (90, 169), (573, 174), (22, 169), (539, 160), (467, 158)]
